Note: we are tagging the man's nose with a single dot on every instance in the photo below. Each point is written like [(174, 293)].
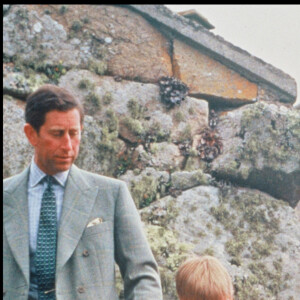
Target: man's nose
[(67, 143)]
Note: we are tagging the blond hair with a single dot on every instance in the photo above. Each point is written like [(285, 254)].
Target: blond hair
[(203, 278)]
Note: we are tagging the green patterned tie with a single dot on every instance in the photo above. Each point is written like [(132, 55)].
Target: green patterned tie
[(45, 257)]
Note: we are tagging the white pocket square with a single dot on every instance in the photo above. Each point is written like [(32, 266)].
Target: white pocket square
[(95, 222)]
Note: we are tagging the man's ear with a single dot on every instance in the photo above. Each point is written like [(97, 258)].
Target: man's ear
[(31, 134)]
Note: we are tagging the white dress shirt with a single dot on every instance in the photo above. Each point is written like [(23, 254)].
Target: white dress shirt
[(36, 189)]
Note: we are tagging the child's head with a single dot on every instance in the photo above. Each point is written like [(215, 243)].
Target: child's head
[(203, 278)]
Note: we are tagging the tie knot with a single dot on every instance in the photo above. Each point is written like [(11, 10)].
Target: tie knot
[(49, 179)]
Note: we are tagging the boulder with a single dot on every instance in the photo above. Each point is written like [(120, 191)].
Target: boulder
[(102, 38), (20, 84), (17, 151), (141, 115), (184, 180), (220, 180), (99, 148), (256, 237), (261, 149), (146, 186)]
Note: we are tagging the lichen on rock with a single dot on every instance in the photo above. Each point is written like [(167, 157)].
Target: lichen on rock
[(260, 149), (227, 205), (146, 186), (169, 252)]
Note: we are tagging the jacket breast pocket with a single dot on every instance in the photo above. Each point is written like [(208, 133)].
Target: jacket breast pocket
[(99, 229), (99, 239)]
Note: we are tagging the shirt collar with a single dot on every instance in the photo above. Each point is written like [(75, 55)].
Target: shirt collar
[(36, 175)]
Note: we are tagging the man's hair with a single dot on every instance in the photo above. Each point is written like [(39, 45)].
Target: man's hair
[(203, 278), (47, 98)]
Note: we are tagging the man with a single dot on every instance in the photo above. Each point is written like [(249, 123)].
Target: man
[(64, 228)]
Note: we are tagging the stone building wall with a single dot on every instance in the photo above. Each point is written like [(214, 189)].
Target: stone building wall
[(217, 173)]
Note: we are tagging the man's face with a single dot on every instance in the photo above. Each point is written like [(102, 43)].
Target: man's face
[(57, 143)]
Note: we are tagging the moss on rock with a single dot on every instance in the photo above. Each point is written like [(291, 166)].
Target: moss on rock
[(97, 66), (107, 98), (144, 191), (94, 99), (134, 126), (136, 110), (273, 135), (169, 252), (247, 216), (108, 147), (112, 121), (86, 84)]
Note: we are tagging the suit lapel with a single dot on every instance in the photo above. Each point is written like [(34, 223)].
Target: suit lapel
[(77, 205), (78, 202), (15, 220)]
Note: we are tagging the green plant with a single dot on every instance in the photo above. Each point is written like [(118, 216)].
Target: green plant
[(76, 26), (53, 72), (208, 251), (22, 13), (112, 121), (85, 20), (135, 108), (107, 98), (123, 164), (94, 100), (135, 126), (108, 147), (179, 116), (63, 9), (98, 67), (86, 84)]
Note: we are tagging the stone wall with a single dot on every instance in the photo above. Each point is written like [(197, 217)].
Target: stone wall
[(218, 173)]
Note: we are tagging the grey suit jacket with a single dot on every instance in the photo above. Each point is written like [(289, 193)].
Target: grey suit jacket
[(86, 255)]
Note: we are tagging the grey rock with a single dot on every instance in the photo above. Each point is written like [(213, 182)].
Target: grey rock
[(166, 156), (17, 151), (20, 85), (184, 180), (138, 107), (261, 148), (146, 186), (253, 234), (36, 39), (98, 151), (141, 158)]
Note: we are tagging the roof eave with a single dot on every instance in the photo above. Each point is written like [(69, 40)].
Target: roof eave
[(237, 59)]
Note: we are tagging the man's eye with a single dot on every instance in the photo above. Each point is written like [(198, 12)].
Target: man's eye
[(75, 132), (57, 133)]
